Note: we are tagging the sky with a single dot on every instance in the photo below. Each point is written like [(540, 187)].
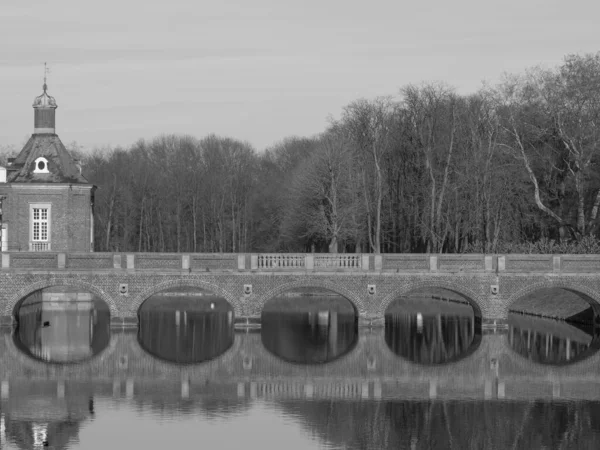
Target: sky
[(260, 70)]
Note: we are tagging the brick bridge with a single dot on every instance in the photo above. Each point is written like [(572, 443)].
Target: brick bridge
[(491, 283), (247, 369)]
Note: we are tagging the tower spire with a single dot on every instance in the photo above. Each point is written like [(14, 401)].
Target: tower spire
[(44, 107)]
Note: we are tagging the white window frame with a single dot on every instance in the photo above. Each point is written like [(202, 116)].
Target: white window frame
[(40, 244), (37, 169)]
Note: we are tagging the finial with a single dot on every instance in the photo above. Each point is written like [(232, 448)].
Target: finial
[(46, 71), (44, 100)]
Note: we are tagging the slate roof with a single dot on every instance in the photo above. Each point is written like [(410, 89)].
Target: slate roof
[(61, 166)]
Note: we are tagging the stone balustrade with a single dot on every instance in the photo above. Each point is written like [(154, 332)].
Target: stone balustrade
[(303, 262)]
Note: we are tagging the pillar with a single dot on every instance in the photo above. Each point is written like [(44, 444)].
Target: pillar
[(364, 390), (332, 337), (116, 387), (185, 388), (432, 388), (129, 388), (60, 389), (241, 390), (308, 390)]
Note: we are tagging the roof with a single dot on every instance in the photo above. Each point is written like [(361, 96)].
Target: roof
[(44, 100), (62, 167)]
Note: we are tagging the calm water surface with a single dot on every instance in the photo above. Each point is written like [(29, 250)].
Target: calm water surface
[(309, 379)]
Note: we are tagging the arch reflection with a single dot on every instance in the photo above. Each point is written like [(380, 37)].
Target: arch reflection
[(185, 326), (434, 326), (62, 324), (309, 326), (551, 341)]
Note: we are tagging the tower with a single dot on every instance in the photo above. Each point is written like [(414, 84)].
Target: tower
[(48, 203)]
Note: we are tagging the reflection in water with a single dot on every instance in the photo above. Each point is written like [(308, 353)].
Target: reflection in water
[(186, 329), (430, 331), (549, 341), (450, 424), (44, 421), (309, 329), (331, 406), (62, 325)]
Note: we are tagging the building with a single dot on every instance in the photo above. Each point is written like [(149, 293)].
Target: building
[(47, 204)]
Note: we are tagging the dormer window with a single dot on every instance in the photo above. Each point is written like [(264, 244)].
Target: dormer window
[(41, 165)]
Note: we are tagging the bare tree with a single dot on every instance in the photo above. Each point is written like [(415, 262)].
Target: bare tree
[(326, 202)]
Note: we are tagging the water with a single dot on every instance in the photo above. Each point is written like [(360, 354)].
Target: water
[(310, 379)]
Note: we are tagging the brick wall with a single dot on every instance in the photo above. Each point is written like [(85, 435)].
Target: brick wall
[(69, 221)]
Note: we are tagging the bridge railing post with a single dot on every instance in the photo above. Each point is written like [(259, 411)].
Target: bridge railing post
[(501, 263), (254, 262), (378, 262), (185, 262), (241, 261), (116, 261), (62, 260), (309, 262), (5, 260), (433, 263), (489, 263), (365, 261), (131, 261), (556, 263)]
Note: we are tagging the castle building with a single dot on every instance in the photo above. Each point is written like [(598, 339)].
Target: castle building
[(47, 204)]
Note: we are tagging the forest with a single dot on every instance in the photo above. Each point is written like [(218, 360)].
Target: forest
[(512, 167)]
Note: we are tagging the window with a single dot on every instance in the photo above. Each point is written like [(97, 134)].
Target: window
[(41, 165), (40, 227), (40, 224)]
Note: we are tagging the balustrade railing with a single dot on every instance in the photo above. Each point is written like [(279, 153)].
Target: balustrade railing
[(37, 246), (281, 260), (338, 261)]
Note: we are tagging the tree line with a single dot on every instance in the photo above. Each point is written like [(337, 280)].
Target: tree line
[(511, 167)]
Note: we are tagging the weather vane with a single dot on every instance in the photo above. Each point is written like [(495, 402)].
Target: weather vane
[(46, 71)]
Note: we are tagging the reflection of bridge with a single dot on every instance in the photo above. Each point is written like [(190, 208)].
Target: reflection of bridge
[(247, 370), (247, 281)]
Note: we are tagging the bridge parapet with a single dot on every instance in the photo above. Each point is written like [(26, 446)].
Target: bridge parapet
[(309, 262)]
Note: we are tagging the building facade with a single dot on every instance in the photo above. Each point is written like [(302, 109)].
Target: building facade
[(47, 203)]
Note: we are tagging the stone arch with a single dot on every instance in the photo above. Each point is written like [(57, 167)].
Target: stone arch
[(356, 300), (16, 298), (587, 294), (575, 287), (179, 283), (472, 297)]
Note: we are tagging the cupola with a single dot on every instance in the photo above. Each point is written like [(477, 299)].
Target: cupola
[(44, 116)]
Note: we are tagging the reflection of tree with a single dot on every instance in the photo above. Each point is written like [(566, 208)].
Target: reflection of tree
[(429, 339), (450, 424), (185, 336), (549, 341), (300, 337)]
